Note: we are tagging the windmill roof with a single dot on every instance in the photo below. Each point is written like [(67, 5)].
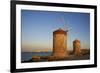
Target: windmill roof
[(76, 40), (59, 31)]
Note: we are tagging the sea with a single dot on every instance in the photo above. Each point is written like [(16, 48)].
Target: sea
[(25, 56)]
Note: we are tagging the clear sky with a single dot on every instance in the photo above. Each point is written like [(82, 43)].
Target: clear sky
[(38, 26)]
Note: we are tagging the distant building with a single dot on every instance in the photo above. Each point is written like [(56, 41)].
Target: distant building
[(60, 43), (76, 47)]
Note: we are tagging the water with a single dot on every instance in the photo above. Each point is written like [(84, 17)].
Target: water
[(25, 56)]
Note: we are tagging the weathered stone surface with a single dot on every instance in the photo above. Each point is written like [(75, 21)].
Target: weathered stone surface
[(77, 47), (60, 43)]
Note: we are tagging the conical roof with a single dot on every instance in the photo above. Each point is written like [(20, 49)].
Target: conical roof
[(76, 40), (59, 31)]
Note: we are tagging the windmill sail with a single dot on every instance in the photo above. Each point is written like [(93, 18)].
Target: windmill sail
[(66, 29)]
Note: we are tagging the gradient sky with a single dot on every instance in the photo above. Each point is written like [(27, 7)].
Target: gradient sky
[(38, 26)]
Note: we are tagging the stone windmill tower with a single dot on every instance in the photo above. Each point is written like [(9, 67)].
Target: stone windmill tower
[(77, 47), (60, 43)]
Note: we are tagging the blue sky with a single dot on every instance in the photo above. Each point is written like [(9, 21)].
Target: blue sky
[(38, 26)]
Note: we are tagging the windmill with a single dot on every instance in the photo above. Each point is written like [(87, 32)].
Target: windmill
[(60, 41)]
